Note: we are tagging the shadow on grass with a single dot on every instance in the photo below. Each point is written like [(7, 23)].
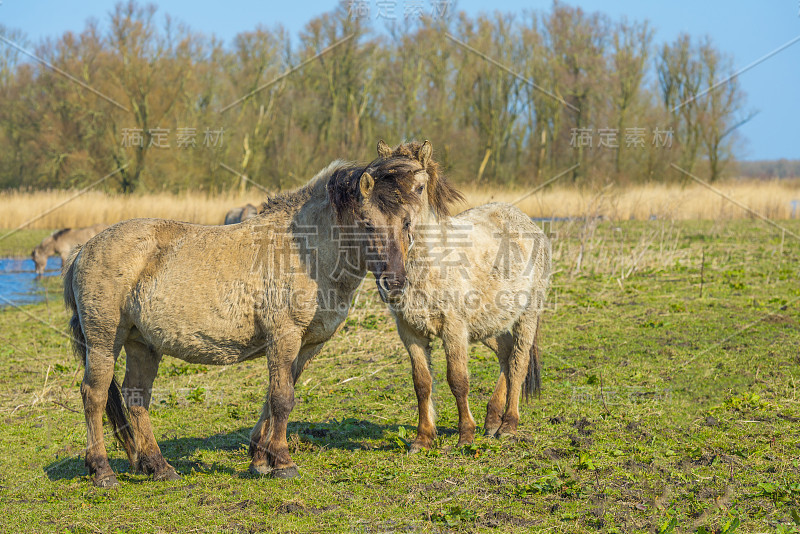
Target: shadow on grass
[(349, 434)]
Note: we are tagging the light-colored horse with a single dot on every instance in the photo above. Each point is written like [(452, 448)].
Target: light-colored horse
[(482, 275), (237, 215), (279, 284), (62, 242)]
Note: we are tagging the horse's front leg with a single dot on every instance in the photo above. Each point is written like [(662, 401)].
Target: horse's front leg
[(420, 353), (456, 343), (259, 433), (271, 452)]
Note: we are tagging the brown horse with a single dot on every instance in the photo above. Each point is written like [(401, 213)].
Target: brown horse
[(62, 242), (482, 275), (242, 213), (277, 285)]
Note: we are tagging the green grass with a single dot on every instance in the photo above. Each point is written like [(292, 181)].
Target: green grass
[(662, 411), (20, 244)]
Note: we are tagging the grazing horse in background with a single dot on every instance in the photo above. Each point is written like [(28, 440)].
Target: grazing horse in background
[(482, 275), (61, 242), (237, 215), (277, 285)]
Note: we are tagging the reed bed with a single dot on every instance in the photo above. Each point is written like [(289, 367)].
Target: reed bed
[(18, 208), (772, 199)]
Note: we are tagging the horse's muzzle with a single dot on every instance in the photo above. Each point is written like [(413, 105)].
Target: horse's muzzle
[(390, 287)]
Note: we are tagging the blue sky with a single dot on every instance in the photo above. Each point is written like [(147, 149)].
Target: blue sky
[(746, 30)]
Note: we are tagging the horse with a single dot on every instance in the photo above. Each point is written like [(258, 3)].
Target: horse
[(237, 215), (277, 285), (482, 275), (61, 242)]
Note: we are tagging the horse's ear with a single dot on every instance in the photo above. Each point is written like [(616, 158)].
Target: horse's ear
[(425, 152), (366, 184), (383, 149)]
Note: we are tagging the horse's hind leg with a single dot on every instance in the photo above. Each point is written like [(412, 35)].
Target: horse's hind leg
[(97, 379), (419, 351), (502, 346), (456, 343), (518, 362), (140, 371)]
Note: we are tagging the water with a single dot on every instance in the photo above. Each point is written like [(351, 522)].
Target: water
[(18, 282)]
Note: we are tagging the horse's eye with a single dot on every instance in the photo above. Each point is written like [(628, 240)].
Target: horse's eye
[(420, 189), (406, 224), (369, 228)]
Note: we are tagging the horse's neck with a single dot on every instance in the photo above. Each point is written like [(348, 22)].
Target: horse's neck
[(48, 246), (432, 235), (317, 224)]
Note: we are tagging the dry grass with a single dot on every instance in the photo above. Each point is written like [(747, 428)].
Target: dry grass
[(673, 202), (641, 202), (17, 208)]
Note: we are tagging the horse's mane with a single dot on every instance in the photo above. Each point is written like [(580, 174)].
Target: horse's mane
[(59, 233), (288, 200), (393, 189), (441, 193)]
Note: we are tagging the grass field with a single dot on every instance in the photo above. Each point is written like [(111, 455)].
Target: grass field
[(671, 357), (689, 201)]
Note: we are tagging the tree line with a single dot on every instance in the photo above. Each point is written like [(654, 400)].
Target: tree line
[(507, 99)]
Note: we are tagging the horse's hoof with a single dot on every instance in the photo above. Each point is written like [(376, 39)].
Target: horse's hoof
[(506, 433), (106, 482), (416, 447), (166, 475), (491, 432), (464, 442), (286, 472), (259, 470)]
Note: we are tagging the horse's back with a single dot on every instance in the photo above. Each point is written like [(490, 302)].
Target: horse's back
[(504, 239), (195, 292), (72, 237), (111, 262), (484, 267), (500, 216), (237, 215), (234, 216)]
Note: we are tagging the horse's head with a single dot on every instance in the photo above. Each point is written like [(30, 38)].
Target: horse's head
[(439, 194), (432, 194), (377, 207), (39, 259)]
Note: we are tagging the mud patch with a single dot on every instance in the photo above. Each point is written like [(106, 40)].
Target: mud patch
[(495, 480), (300, 509), (502, 519), (580, 442), (582, 426)]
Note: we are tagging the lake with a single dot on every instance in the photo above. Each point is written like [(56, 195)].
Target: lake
[(18, 282)]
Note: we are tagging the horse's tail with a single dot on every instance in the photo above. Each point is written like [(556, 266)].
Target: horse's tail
[(120, 419), (115, 406), (67, 276), (533, 380)]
